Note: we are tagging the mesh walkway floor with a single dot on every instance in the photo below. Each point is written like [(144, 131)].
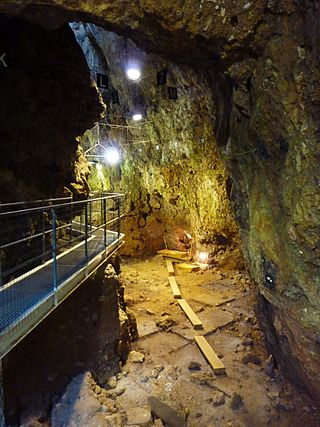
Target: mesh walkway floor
[(21, 296)]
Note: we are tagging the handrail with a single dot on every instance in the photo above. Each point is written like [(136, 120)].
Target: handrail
[(34, 201), (27, 233), (41, 208)]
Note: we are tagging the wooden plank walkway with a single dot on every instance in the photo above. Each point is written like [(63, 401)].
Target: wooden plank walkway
[(216, 364), (174, 287), (194, 319)]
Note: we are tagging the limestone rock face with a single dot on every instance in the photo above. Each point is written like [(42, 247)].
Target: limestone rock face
[(264, 60), (40, 116), (170, 168)]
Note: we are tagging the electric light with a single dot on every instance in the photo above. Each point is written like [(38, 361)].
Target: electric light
[(136, 117), (203, 256), (99, 167), (112, 155), (133, 73)]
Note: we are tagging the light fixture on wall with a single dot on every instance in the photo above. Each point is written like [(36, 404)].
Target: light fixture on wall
[(112, 155), (203, 257), (137, 117), (133, 73)]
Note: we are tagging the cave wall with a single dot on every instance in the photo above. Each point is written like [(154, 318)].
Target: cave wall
[(91, 331), (170, 168), (264, 57), (273, 154), (39, 150)]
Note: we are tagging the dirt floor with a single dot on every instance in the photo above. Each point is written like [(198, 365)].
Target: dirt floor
[(166, 365)]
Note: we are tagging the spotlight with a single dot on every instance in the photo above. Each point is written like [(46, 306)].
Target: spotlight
[(133, 73), (137, 117), (112, 155), (203, 256)]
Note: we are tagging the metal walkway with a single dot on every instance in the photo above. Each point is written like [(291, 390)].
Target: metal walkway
[(46, 252)]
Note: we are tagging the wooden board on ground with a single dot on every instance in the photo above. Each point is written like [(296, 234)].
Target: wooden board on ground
[(174, 287), (183, 256), (194, 319), (216, 364), (170, 267), (188, 267)]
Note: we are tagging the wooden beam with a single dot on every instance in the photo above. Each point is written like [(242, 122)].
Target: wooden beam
[(188, 267), (216, 364), (183, 256), (194, 319), (174, 287), (170, 267)]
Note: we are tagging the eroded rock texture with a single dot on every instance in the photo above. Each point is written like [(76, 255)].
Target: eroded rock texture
[(264, 56), (170, 171), (42, 89), (92, 331)]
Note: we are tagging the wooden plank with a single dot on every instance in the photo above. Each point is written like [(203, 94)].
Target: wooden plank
[(188, 267), (170, 267), (183, 256), (194, 319), (216, 364), (174, 287)]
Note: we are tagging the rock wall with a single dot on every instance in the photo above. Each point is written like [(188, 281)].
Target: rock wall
[(39, 150), (264, 56), (170, 169), (91, 330)]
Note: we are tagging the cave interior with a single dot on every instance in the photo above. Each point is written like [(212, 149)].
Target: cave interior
[(204, 116)]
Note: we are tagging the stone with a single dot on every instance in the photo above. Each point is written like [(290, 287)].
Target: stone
[(236, 401), (165, 323), (194, 366), (115, 420), (156, 371), (218, 398), (251, 358), (139, 416), (31, 422), (77, 405), (136, 357), (166, 413), (112, 382)]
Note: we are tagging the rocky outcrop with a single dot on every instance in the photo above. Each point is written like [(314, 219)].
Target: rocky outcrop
[(170, 170), (93, 331), (264, 59), (41, 98)]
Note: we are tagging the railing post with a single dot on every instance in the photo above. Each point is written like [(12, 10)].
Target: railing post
[(43, 237), (105, 222), (71, 215), (2, 417), (1, 276), (118, 222), (90, 216), (86, 230), (54, 248)]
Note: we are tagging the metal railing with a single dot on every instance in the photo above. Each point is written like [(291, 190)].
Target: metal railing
[(4, 207), (42, 246)]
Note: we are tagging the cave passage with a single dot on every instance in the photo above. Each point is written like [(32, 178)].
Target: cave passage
[(166, 166)]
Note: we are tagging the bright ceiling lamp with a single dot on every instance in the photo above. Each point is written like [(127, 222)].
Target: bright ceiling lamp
[(137, 117), (112, 155), (133, 73)]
